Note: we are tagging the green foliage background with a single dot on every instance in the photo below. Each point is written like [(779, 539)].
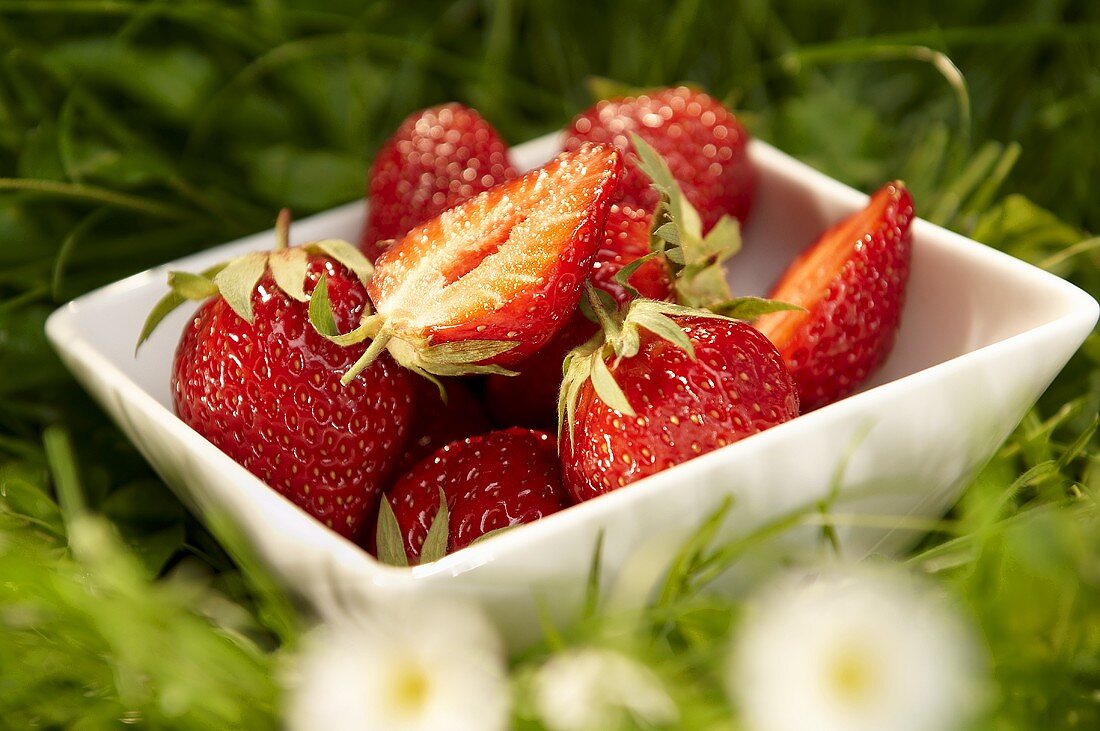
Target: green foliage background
[(135, 132)]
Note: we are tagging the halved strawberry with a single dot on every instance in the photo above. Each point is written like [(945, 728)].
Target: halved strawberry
[(530, 398), (489, 482), (489, 282), (851, 282), (438, 158), (681, 264)]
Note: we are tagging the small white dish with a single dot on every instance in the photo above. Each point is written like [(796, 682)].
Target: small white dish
[(982, 336)]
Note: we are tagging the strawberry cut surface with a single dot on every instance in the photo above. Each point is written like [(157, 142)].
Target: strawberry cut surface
[(736, 386), (268, 394), (492, 481), (437, 158), (530, 398), (851, 282), (504, 267)]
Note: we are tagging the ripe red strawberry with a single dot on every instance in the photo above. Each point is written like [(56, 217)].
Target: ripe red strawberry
[(851, 282), (435, 423), (701, 140), (491, 481), (491, 281), (253, 377), (626, 238), (668, 407), (438, 158), (530, 398)]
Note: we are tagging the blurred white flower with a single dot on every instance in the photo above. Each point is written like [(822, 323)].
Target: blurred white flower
[(853, 649), (590, 689), (414, 667)]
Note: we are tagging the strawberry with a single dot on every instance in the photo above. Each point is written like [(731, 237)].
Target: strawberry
[(668, 385), (701, 140), (530, 397), (490, 281), (438, 158), (684, 265), (437, 422), (626, 239), (851, 282), (489, 482), (252, 377)]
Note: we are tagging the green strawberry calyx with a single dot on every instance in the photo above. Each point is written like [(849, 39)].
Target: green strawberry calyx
[(416, 354), (695, 260), (619, 338), (390, 546), (236, 280)]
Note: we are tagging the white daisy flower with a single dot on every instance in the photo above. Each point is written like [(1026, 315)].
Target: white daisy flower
[(414, 667), (853, 649), (591, 689)]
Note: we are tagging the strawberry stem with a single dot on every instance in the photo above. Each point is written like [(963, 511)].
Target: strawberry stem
[(377, 345), (607, 322), (282, 230)]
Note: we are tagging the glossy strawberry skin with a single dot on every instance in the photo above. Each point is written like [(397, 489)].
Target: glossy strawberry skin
[(268, 394), (852, 281), (736, 387), (435, 423), (702, 142), (507, 265), (437, 158), (530, 398), (491, 481), (626, 238)]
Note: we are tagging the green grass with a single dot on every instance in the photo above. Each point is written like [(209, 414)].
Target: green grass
[(135, 132)]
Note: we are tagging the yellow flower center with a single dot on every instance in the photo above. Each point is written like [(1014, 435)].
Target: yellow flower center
[(409, 690), (851, 675)]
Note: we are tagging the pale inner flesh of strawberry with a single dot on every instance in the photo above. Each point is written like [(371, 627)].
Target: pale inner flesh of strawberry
[(478, 256), (807, 279)]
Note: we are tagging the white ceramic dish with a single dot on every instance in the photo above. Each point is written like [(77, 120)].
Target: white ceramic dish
[(982, 335)]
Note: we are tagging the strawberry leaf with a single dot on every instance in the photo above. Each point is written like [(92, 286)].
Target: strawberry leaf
[(195, 287), (238, 280), (466, 351), (160, 310), (170, 302), (389, 544), (622, 277), (606, 302), (697, 261), (320, 310), (435, 543), (289, 268), (577, 369), (347, 255), (607, 388), (749, 308), (665, 328)]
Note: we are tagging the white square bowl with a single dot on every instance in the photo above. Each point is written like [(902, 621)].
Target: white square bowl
[(982, 336)]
